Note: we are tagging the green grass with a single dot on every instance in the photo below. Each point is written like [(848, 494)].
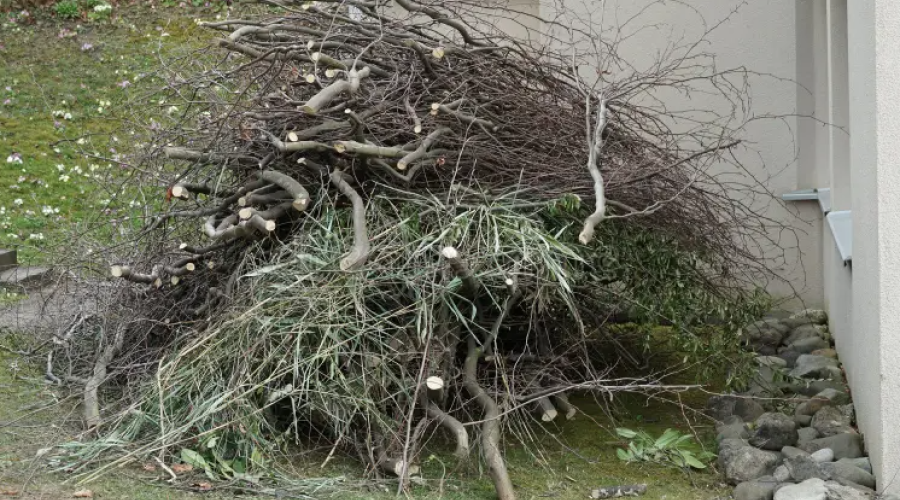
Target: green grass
[(63, 85), (576, 455)]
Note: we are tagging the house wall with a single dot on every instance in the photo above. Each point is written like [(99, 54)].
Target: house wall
[(872, 355), (760, 36)]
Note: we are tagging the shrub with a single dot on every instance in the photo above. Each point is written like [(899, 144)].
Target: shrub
[(67, 9)]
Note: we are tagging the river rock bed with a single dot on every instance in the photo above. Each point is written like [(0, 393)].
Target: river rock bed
[(791, 435)]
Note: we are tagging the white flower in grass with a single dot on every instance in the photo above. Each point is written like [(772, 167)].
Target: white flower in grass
[(60, 167), (67, 116), (64, 178), (13, 236), (14, 158), (18, 202), (80, 141), (36, 236)]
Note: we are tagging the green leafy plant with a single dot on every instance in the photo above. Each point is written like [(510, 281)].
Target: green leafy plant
[(100, 11), (670, 448), (67, 9)]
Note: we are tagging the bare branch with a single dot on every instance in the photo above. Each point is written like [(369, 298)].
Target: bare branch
[(595, 146), (360, 251)]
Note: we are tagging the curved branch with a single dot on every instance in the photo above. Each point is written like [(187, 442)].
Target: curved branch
[(456, 428), (417, 122), (360, 251), (300, 194), (463, 117), (265, 221), (324, 97), (125, 272), (490, 428), (422, 149), (595, 146), (91, 400), (228, 229), (514, 295), (441, 18)]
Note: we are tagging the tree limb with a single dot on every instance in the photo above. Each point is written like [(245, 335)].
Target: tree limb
[(490, 428), (300, 194), (595, 145), (423, 148), (331, 92), (360, 251), (471, 285)]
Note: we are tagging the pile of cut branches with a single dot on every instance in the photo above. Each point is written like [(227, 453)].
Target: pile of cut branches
[(374, 221)]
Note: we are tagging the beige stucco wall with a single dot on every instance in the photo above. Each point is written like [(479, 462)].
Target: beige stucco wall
[(872, 354), (760, 36), (830, 19)]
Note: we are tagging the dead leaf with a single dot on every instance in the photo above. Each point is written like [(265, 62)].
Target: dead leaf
[(246, 132), (204, 486), (9, 493), (181, 468), (83, 494), (149, 467)]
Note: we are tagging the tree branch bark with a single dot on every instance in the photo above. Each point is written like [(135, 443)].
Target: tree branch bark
[(490, 429), (360, 251), (595, 145)]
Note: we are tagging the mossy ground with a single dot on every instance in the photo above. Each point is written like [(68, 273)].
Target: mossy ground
[(575, 456), (87, 70), (63, 85)]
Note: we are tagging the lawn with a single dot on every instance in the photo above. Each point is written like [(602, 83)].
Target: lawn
[(64, 89), (65, 86), (575, 456)]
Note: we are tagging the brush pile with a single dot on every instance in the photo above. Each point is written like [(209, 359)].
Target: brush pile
[(373, 227)]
